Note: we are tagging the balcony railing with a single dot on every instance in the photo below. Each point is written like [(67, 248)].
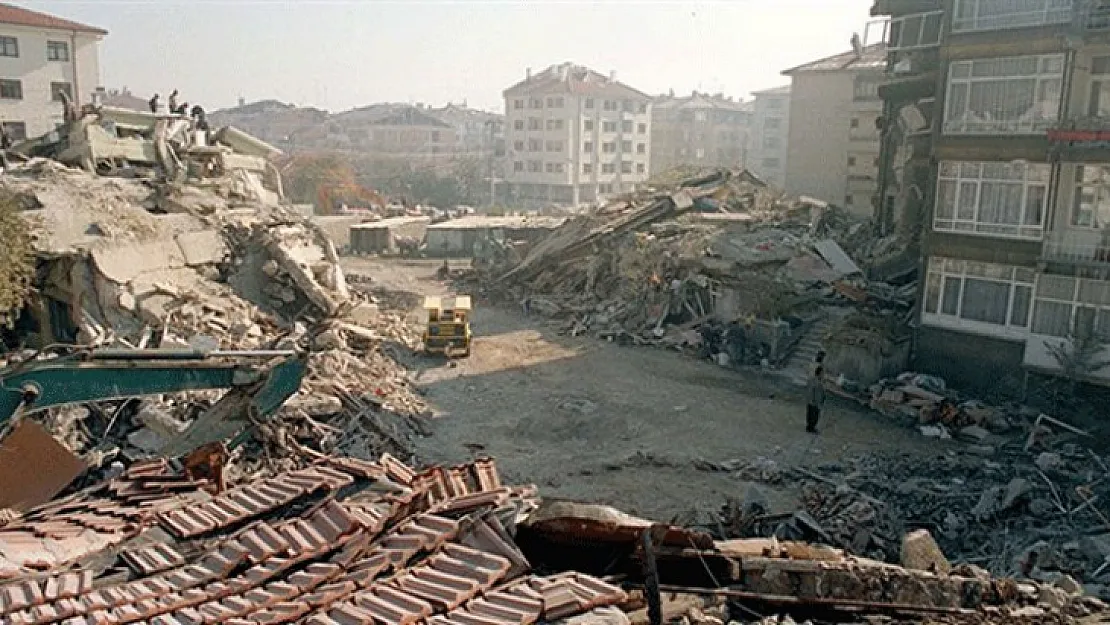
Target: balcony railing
[(1077, 247)]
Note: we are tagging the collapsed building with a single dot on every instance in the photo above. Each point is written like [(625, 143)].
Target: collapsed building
[(719, 264)]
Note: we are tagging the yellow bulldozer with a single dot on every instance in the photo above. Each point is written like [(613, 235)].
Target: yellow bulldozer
[(448, 330)]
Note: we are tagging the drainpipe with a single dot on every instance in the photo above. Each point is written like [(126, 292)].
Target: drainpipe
[(73, 63)]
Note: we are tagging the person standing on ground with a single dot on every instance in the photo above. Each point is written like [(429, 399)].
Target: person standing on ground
[(815, 399)]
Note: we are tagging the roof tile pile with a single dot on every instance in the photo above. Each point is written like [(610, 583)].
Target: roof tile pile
[(401, 548)]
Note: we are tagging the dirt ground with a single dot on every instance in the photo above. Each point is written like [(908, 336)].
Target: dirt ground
[(597, 422)]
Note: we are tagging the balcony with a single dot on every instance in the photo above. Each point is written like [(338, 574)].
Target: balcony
[(985, 15), (1075, 246), (1072, 139)]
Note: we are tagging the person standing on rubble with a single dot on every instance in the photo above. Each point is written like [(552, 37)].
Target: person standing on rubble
[(200, 118), (153, 104), (815, 399)]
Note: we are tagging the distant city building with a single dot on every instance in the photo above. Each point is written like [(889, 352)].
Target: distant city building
[(272, 121), (833, 150), (121, 99), (573, 134), (770, 134), (699, 129), (41, 58)]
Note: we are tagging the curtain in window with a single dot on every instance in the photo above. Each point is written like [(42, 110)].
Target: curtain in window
[(985, 301), (1000, 203)]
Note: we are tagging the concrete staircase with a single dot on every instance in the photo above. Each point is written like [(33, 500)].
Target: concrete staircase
[(797, 367)]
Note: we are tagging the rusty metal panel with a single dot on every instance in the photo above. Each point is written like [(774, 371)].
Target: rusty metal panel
[(34, 467)]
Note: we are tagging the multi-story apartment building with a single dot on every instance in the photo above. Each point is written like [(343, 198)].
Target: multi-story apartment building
[(700, 129), (573, 134), (833, 149), (998, 118), (770, 135), (41, 58)]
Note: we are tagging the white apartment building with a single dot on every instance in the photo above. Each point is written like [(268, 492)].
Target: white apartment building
[(41, 57), (573, 134), (833, 150), (770, 135)]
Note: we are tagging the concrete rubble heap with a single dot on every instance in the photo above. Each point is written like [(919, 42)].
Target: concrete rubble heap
[(352, 541), (191, 248), (688, 264)]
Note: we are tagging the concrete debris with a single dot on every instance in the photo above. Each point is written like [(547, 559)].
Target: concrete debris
[(345, 540), (199, 254), (717, 264)]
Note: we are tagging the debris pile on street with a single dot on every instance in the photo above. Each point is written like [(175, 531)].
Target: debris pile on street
[(718, 264), (353, 541)]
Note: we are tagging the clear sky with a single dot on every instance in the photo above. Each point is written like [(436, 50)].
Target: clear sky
[(339, 54)]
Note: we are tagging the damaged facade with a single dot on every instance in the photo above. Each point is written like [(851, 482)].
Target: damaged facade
[(992, 150), (707, 130)]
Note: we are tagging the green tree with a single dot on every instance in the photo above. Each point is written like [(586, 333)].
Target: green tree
[(17, 259)]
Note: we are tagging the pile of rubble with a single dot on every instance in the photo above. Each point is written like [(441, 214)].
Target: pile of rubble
[(352, 541), (719, 264), (191, 249)]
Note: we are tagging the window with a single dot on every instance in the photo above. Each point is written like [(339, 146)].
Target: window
[(435, 136), (535, 103), (771, 163), (626, 146), (518, 146), (9, 46), (641, 168), (1098, 104), (641, 129), (518, 124), (641, 148), (535, 166), (983, 297), (588, 125), (772, 142), (699, 116), (554, 146), (851, 161), (608, 168), (774, 123), (849, 200), (518, 165), (628, 106), (16, 130), (609, 147), (587, 168), (588, 147), (589, 103), (608, 126), (555, 103), (1011, 95), (866, 87), (535, 123), (609, 105), (518, 104), (642, 108), (11, 89), (58, 88), (626, 167), (775, 104), (918, 30), (995, 15), (1091, 207), (992, 198), (554, 124), (57, 51), (535, 145), (854, 123), (554, 168), (1071, 306), (626, 126)]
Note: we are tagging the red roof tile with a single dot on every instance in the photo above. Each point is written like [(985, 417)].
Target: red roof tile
[(10, 14)]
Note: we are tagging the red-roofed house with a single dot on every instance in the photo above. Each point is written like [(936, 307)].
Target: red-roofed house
[(42, 56), (572, 134)]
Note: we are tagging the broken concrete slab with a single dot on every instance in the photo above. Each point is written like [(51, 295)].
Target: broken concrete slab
[(921, 552), (204, 247)]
